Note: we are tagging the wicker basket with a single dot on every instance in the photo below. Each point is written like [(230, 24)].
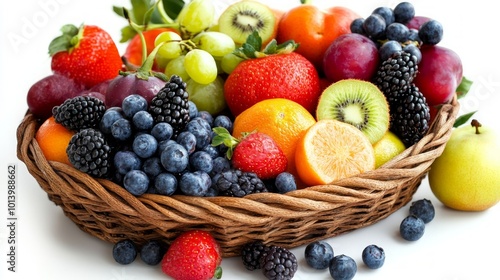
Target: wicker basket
[(107, 211)]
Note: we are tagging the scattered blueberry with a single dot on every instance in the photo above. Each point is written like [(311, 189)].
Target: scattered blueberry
[(285, 182), (124, 252), (187, 140), (145, 145), (201, 130), (195, 183), (165, 184), (373, 256), (319, 254), (343, 267), (136, 182), (110, 116), (412, 228), (423, 209), (152, 252), (431, 32), (174, 158), (152, 166)]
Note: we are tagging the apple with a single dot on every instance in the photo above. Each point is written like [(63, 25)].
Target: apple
[(465, 177)]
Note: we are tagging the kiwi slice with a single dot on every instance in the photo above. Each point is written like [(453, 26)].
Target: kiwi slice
[(357, 102), (244, 17)]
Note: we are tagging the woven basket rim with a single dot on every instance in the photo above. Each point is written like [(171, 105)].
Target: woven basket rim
[(104, 209)]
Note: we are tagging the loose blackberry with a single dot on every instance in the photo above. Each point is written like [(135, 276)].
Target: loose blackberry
[(171, 105), (279, 263), (80, 112), (238, 183), (410, 115), (89, 152), (252, 253), (396, 73)]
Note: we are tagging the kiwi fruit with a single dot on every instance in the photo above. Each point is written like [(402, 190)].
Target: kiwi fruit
[(357, 102), (244, 17)]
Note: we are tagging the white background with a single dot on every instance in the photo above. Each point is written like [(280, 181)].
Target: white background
[(456, 245)]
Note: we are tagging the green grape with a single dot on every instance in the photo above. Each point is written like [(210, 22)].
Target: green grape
[(176, 67), (216, 43), (197, 16), (200, 66), (229, 62), (209, 97), (172, 45)]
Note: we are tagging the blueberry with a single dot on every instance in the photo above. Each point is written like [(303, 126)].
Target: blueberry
[(152, 167), (110, 116), (423, 209), (224, 121), (386, 13), (187, 140), (285, 182), (193, 110), (162, 131), (136, 182), (357, 26), (125, 161), (404, 12), (174, 158), (413, 35), (202, 131), (373, 256), (145, 145), (343, 267), (398, 32), (124, 252), (412, 228), (121, 129), (413, 50), (201, 161), (319, 254), (132, 104), (388, 49), (211, 150), (431, 32), (152, 252), (195, 183), (212, 192), (165, 184), (219, 165), (374, 26), (206, 116), (142, 120), (163, 144)]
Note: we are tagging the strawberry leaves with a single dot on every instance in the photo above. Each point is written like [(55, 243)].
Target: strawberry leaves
[(252, 48)]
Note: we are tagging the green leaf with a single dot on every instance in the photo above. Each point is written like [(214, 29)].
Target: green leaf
[(139, 9), (463, 119), (173, 7), (69, 38), (127, 34), (464, 87)]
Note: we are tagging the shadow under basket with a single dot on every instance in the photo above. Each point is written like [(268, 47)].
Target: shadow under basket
[(109, 212)]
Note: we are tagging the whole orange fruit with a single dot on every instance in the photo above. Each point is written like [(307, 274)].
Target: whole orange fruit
[(314, 29), (53, 139), (282, 119)]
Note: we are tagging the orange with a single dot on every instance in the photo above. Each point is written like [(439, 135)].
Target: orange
[(332, 150), (53, 139), (314, 29), (282, 119)]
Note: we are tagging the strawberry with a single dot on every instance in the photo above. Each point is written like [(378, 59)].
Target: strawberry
[(87, 55), (275, 72), (193, 255), (255, 152)]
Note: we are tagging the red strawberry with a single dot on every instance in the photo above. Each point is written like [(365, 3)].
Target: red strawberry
[(276, 72), (87, 55), (194, 255), (255, 152)]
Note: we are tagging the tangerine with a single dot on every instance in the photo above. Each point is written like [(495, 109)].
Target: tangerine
[(330, 150), (314, 29), (53, 139), (282, 119)]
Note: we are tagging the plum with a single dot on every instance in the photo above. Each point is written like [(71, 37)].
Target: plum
[(125, 85), (351, 56), (50, 91), (417, 21), (439, 74)]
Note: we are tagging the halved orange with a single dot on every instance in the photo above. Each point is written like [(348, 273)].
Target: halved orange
[(332, 150)]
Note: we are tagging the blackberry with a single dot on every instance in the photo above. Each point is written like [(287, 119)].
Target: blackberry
[(89, 152), (252, 253), (396, 73), (80, 112), (279, 263), (410, 115), (171, 105), (237, 183)]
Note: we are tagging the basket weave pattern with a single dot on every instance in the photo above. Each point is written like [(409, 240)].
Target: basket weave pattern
[(109, 212)]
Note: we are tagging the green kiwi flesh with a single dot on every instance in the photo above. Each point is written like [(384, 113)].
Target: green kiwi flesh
[(242, 18), (357, 102)]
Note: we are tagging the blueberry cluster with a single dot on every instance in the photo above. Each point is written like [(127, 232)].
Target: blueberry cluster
[(412, 227), (396, 30), (151, 253), (276, 262)]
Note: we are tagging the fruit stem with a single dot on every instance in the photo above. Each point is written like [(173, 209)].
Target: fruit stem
[(163, 14), (475, 123)]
